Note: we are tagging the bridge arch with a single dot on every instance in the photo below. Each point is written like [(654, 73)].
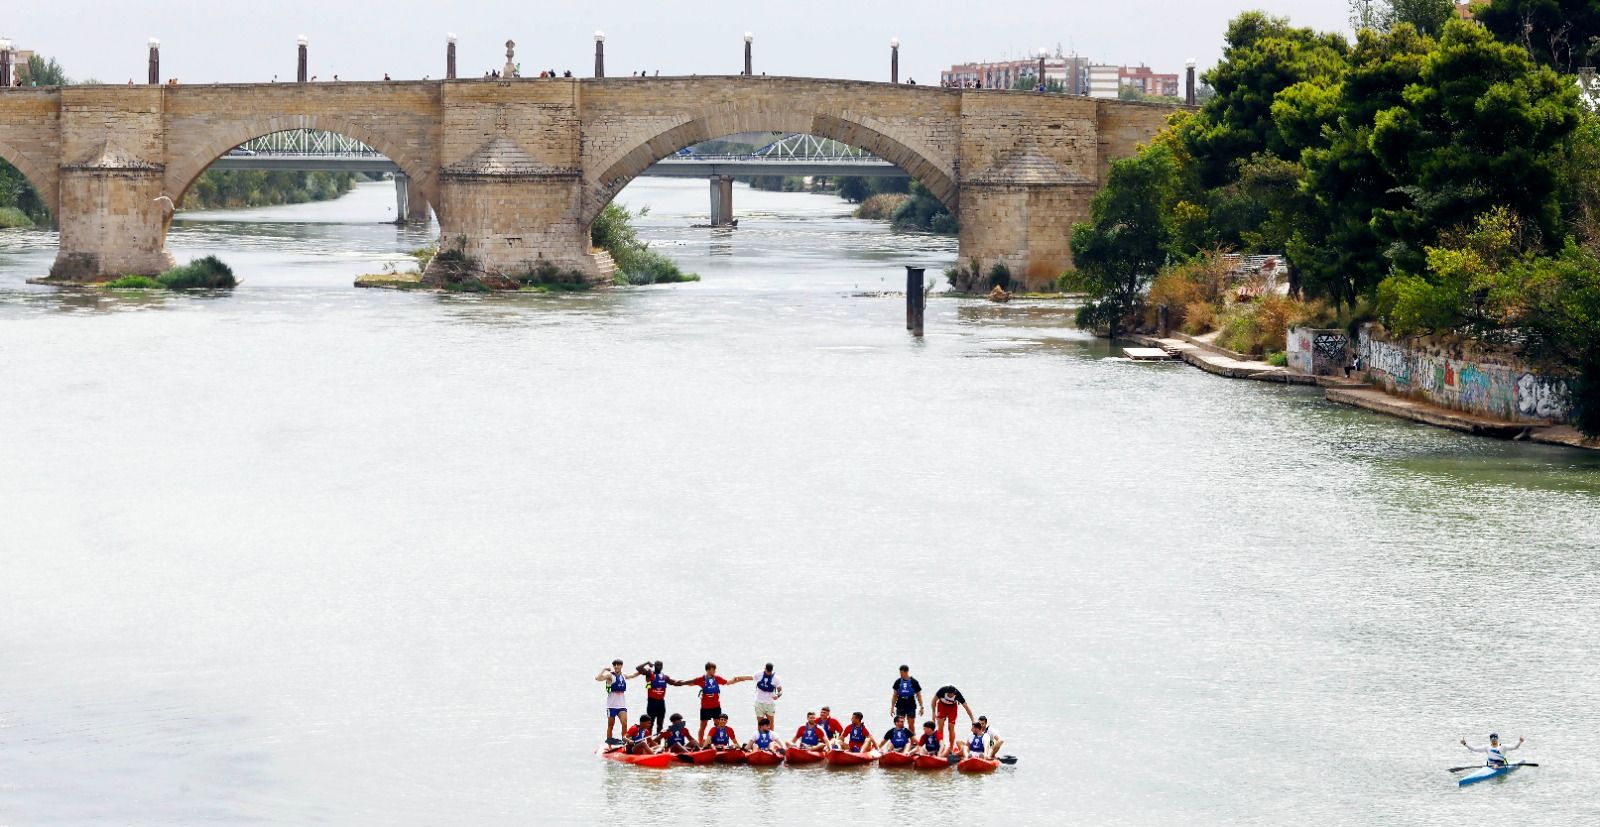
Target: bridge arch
[(634, 157), (43, 183), (183, 171)]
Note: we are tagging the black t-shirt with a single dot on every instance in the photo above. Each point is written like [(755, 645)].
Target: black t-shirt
[(946, 690), (915, 688)]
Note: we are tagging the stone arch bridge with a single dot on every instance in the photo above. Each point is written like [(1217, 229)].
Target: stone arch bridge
[(517, 170)]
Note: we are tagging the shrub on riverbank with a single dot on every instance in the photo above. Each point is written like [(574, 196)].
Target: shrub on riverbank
[(13, 218), (134, 283), (208, 273), (637, 263), (883, 206), (924, 212)]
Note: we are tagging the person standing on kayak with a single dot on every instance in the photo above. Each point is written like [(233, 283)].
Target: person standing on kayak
[(929, 743), (810, 736), (656, 683), (945, 702), (766, 740), (898, 739), (907, 697), (711, 694), (856, 737), (676, 737), (995, 741), (616, 696), (722, 737), (1494, 755), (768, 690), (639, 739)]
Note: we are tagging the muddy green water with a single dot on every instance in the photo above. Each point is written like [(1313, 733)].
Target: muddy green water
[(311, 554)]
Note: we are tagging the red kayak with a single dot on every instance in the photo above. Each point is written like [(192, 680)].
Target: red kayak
[(804, 756), (930, 762), (841, 758), (654, 761), (731, 756), (762, 758), (704, 756), (895, 759), (976, 764)]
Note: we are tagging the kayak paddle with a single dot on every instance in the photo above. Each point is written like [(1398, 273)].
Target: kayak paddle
[(1480, 766), (1008, 759)]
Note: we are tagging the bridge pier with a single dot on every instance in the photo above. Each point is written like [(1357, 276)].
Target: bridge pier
[(721, 200), (410, 205), (1026, 227)]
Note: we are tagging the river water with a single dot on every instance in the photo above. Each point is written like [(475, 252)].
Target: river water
[(306, 553)]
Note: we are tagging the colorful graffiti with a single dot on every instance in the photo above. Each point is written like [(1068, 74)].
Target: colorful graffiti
[(1484, 388), (1543, 398)]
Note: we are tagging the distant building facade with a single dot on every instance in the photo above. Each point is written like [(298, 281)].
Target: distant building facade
[(1069, 72), (1148, 82)]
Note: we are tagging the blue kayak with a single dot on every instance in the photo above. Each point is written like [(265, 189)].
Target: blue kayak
[(1486, 773)]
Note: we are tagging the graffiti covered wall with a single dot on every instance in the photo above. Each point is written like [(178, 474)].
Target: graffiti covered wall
[(1486, 385), (1317, 352)]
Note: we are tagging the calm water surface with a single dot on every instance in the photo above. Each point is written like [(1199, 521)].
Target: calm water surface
[(305, 553)]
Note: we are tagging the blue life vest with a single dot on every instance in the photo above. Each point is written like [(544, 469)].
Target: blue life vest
[(930, 743), (857, 734), (975, 746), (640, 734), (905, 688), (900, 736), (764, 683), (619, 683), (809, 736), (658, 682), (677, 735), (711, 686), (764, 739), (719, 736)]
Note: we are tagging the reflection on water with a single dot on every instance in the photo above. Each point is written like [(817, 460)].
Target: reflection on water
[(304, 553)]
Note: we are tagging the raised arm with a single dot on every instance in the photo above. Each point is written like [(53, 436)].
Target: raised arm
[(1520, 739), (1473, 748), (604, 676)]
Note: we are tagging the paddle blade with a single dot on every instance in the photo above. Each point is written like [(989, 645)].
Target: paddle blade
[(1459, 769), (1008, 759)]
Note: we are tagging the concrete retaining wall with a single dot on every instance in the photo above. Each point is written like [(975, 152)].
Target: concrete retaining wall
[(1456, 376), (1319, 352)]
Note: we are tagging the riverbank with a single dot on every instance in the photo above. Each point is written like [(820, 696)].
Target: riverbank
[(1359, 393)]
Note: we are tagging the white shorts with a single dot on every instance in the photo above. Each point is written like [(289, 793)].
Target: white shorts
[(766, 710), (617, 700)]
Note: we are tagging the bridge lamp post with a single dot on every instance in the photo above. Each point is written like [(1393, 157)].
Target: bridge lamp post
[(894, 60), (300, 73), (1188, 82), (450, 56), (747, 38), (155, 62), (599, 53), (5, 63), (1042, 52)]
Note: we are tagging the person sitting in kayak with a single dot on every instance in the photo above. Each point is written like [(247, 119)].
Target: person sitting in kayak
[(856, 737), (906, 697), (766, 740), (898, 739), (945, 701), (675, 738), (656, 683), (639, 740), (929, 743), (978, 744), (722, 737), (830, 725), (1494, 755), (810, 736), (995, 741), (616, 696), (711, 694)]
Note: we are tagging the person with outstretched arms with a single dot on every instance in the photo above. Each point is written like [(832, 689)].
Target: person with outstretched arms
[(768, 690), (711, 695), (900, 738), (656, 683), (906, 698), (1494, 755), (616, 696), (945, 703)]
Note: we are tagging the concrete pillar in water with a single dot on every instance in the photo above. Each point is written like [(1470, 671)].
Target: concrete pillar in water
[(721, 200), (410, 206), (916, 299)]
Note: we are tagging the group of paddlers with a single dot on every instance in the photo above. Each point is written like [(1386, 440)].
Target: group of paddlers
[(656, 731)]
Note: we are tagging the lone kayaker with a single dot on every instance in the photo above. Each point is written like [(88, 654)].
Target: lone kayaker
[(656, 683), (907, 697), (768, 690), (1494, 754), (899, 738), (929, 743), (945, 702), (640, 741), (711, 694), (616, 696), (810, 736), (766, 740), (856, 737), (676, 736), (722, 737), (995, 741)]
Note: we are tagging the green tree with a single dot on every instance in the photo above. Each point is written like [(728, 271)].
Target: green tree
[(854, 188), (1478, 129), (41, 72), (1564, 34), (1428, 16), (1119, 251)]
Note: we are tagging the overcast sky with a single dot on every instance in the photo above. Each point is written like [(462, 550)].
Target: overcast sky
[(210, 40)]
